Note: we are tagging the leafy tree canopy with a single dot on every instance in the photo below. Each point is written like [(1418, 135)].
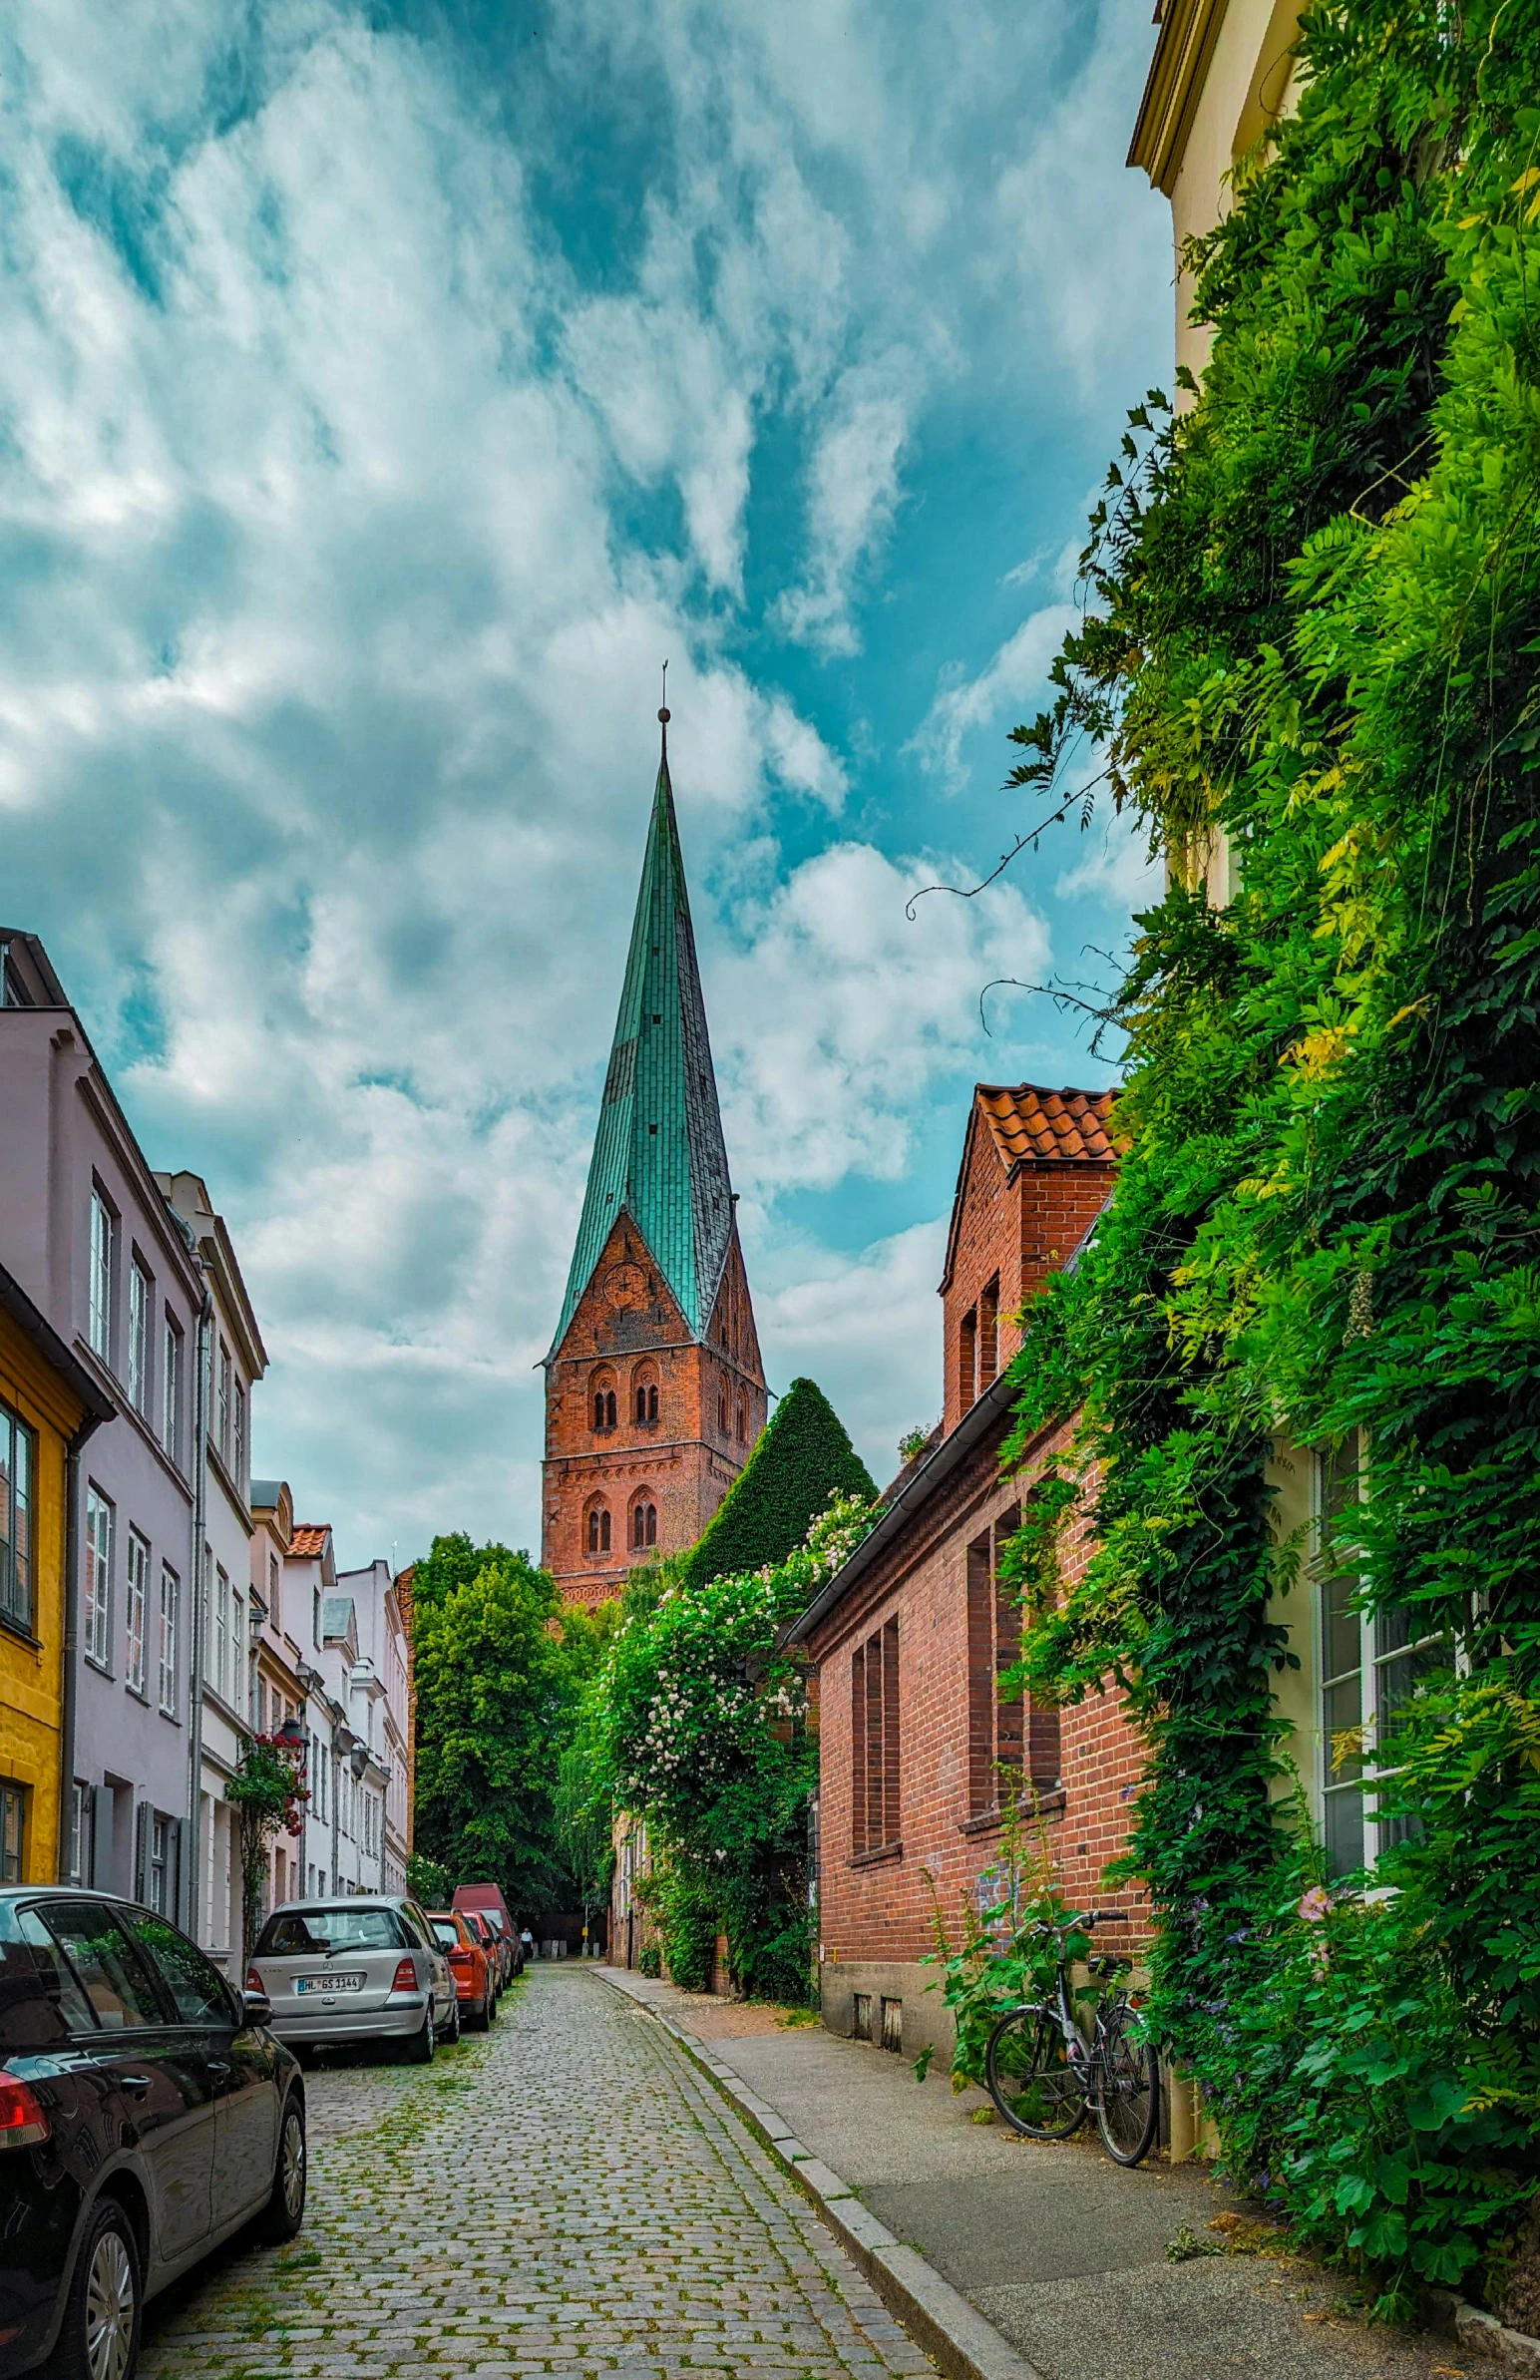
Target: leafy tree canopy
[(500, 1667), (803, 1460)]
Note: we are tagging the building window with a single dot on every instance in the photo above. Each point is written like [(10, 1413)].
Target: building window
[(104, 1227), (643, 1525), (968, 1358), (13, 1820), (598, 1530), (997, 1732), (721, 1411), (874, 1719), (223, 1404), (645, 1399), (239, 1438), (82, 1835), (744, 1423), (261, 1706), (603, 1391), (221, 1631), (99, 1576), (171, 1391), (315, 1613), (18, 1464), (137, 1367), (160, 1864), (1371, 1663), (988, 1333), (171, 1622), (136, 1575)]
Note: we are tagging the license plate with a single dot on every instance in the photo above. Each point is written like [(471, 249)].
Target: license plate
[(328, 1983)]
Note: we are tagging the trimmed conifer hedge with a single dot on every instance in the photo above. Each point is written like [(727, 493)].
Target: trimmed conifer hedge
[(802, 1461)]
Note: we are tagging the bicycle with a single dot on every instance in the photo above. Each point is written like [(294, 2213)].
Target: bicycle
[(1043, 2074)]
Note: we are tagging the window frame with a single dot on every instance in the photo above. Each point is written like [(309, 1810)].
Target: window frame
[(136, 1563), (170, 1645), (171, 1372), (13, 1830), (136, 1351), (876, 1745), (18, 1497), (102, 1258), (99, 1544)]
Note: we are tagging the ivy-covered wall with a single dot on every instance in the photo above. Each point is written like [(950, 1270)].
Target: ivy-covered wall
[(1313, 616)]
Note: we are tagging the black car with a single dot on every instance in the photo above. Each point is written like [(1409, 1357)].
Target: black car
[(146, 2114)]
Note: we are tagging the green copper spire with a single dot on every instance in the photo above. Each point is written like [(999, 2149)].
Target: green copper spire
[(658, 1154)]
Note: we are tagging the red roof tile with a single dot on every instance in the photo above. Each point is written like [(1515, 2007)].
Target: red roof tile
[(1033, 1124), (309, 1537)]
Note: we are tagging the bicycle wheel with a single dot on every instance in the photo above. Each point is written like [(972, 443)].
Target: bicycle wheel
[(1030, 2078), (1127, 2087)]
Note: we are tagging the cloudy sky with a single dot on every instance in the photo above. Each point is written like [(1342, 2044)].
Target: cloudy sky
[(385, 390)]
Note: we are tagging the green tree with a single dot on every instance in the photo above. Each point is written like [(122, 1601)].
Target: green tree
[(801, 1462), (500, 1667)]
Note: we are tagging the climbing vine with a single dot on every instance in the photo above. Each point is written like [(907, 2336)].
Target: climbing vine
[(1307, 667)]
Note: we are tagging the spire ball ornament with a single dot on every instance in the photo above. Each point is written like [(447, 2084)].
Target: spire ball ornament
[(665, 714)]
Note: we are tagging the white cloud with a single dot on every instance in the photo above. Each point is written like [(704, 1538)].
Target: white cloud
[(1015, 676), (1114, 864), (835, 1013), (852, 497)]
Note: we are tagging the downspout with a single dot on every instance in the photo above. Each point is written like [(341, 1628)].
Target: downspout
[(190, 1883), (71, 1651)]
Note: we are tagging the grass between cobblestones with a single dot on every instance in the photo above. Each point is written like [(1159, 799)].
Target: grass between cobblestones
[(565, 2197)]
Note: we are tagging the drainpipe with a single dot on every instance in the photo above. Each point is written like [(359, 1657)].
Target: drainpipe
[(69, 1681), (191, 1881)]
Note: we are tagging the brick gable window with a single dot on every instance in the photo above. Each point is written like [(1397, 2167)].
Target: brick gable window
[(874, 1733), (988, 1333), (967, 1357), (996, 1730)]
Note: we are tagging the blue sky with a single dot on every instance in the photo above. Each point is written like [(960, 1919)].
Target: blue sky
[(384, 392)]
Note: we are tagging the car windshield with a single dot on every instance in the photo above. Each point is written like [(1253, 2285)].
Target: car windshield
[(297, 1933), (445, 1931)]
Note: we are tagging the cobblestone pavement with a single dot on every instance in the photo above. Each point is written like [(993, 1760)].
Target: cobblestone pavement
[(565, 2195)]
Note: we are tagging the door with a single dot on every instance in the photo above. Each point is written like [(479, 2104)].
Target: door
[(159, 2072), (241, 2067)]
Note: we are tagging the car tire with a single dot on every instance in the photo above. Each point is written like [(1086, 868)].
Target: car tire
[(492, 2008), (451, 2031), (284, 2212), (105, 2306), (421, 2045)]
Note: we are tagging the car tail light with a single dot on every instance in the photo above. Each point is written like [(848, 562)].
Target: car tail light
[(23, 2122), (254, 1982), (405, 1976), (463, 1958)]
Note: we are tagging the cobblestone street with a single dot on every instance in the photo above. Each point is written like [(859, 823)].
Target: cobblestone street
[(565, 2196)]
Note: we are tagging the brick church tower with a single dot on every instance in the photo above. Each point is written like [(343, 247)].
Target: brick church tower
[(654, 1391)]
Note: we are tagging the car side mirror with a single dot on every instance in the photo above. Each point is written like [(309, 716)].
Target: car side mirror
[(256, 2007)]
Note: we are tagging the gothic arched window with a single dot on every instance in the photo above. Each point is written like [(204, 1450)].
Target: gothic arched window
[(721, 1411), (644, 1524), (602, 1390), (644, 1394), (598, 1530), (744, 1423)]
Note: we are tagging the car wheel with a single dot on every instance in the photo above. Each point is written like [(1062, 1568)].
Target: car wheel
[(423, 2042), (98, 2337), (451, 2031), (492, 2008), (284, 2212)]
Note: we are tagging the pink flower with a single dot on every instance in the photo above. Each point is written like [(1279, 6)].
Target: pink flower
[(1316, 1905)]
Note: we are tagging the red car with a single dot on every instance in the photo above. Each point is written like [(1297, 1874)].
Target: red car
[(486, 1933), (474, 1979)]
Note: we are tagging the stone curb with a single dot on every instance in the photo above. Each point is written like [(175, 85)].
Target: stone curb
[(937, 2316), (1480, 2333)]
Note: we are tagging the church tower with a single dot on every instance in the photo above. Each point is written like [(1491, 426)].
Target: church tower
[(654, 1390)]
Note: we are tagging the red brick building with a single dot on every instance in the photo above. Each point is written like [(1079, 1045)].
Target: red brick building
[(654, 1390), (909, 1638)]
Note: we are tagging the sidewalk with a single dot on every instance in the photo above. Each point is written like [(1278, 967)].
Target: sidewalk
[(1063, 2251)]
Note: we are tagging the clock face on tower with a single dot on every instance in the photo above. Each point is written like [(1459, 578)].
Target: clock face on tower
[(626, 1285)]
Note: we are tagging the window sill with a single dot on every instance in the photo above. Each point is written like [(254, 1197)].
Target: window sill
[(100, 1667), (20, 1630), (138, 1692), (880, 1857), (988, 1822), (170, 1716)]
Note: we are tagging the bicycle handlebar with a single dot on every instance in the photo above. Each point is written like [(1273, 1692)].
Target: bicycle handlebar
[(1084, 1918)]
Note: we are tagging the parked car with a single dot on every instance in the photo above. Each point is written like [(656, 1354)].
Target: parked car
[(146, 2113), (480, 1931), (475, 1977), (486, 1901), (370, 1969)]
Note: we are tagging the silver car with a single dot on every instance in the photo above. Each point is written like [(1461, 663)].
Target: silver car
[(367, 1969)]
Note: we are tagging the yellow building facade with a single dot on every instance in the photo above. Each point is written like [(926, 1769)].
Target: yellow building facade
[(49, 1405)]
